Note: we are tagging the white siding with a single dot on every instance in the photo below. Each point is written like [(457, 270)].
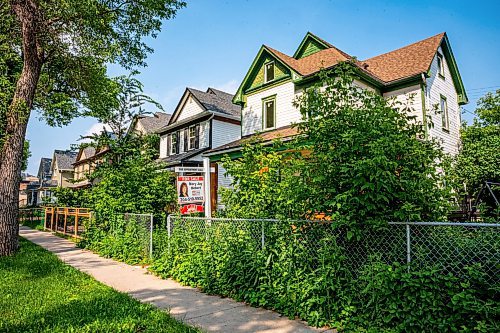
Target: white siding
[(223, 181), (190, 108), (408, 99), (437, 86), (223, 133), (286, 113)]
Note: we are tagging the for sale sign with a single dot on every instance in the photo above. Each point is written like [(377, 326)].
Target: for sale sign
[(190, 189)]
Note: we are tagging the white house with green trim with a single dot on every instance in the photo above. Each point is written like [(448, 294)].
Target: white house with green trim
[(423, 75)]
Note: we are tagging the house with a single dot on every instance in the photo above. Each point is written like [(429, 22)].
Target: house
[(62, 167), (43, 191), (423, 74), (145, 124), (202, 120), (86, 160), (27, 190)]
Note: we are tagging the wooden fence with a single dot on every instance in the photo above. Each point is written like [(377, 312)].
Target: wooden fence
[(66, 220)]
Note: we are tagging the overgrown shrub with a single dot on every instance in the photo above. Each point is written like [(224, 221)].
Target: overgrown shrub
[(315, 272)]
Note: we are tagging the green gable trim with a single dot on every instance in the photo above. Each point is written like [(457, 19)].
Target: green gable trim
[(268, 85), (310, 44), (309, 48), (249, 82), (258, 77), (455, 74)]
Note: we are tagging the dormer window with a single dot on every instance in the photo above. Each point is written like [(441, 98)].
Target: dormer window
[(440, 65), (269, 71)]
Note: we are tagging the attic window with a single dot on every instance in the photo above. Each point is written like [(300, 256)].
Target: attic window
[(269, 71), (440, 65)]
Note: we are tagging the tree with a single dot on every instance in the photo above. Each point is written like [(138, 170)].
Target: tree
[(369, 162), (358, 159), (53, 57), (479, 156)]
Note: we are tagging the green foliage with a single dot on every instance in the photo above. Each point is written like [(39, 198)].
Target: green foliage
[(358, 159), (479, 159), (26, 155), (79, 40), (128, 181), (69, 197), (41, 294), (261, 183), (313, 271)]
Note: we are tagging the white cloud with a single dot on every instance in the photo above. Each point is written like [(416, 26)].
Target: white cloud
[(229, 87), (97, 128)]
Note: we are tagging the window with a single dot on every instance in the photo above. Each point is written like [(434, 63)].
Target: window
[(174, 143), (269, 71), (269, 113), (440, 65), (444, 113), (194, 137)]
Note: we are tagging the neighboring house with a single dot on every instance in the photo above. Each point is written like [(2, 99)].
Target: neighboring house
[(146, 124), (27, 190), (62, 167), (44, 191), (202, 120), (85, 163), (423, 74)]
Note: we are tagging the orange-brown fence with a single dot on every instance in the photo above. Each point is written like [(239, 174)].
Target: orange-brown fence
[(66, 220)]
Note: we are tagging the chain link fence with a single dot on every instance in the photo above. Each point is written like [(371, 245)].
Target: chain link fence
[(134, 230), (32, 217), (451, 248)]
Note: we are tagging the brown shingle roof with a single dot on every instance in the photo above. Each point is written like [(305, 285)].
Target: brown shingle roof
[(398, 64), (312, 63), (405, 62), (279, 133)]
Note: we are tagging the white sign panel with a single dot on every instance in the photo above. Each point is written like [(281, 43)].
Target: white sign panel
[(190, 189)]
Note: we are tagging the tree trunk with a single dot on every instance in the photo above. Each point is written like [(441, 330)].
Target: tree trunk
[(17, 118)]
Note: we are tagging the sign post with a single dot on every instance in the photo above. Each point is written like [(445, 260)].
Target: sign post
[(208, 201)]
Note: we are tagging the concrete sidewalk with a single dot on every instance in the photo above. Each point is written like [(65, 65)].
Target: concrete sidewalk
[(211, 313)]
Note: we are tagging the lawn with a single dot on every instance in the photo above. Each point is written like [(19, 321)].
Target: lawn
[(39, 293)]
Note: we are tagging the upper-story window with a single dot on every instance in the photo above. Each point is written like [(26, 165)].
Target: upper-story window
[(269, 114), (269, 71), (194, 137), (440, 64), (444, 113), (174, 143)]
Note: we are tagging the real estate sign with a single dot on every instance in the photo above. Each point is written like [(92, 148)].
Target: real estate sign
[(190, 190)]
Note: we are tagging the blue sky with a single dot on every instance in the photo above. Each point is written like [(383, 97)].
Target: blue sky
[(212, 43)]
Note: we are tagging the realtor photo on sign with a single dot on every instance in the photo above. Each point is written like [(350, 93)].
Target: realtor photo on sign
[(190, 189)]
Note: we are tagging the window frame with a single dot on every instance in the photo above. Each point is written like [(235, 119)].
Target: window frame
[(266, 79), (445, 115), (264, 112), (195, 137), (440, 64), (173, 143)]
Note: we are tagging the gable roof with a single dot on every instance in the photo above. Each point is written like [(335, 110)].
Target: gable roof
[(152, 123), (384, 70), (407, 61), (64, 159), (212, 100), (44, 168)]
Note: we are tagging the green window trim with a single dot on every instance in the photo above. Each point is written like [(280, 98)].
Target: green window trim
[(445, 118), (266, 74), (264, 112)]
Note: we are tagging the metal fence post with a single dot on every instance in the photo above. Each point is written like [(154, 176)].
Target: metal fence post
[(263, 236), (168, 225), (151, 238), (408, 244)]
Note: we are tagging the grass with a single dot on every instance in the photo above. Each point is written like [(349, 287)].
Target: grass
[(35, 224), (39, 293)]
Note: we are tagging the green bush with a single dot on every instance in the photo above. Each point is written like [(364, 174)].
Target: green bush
[(310, 271)]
